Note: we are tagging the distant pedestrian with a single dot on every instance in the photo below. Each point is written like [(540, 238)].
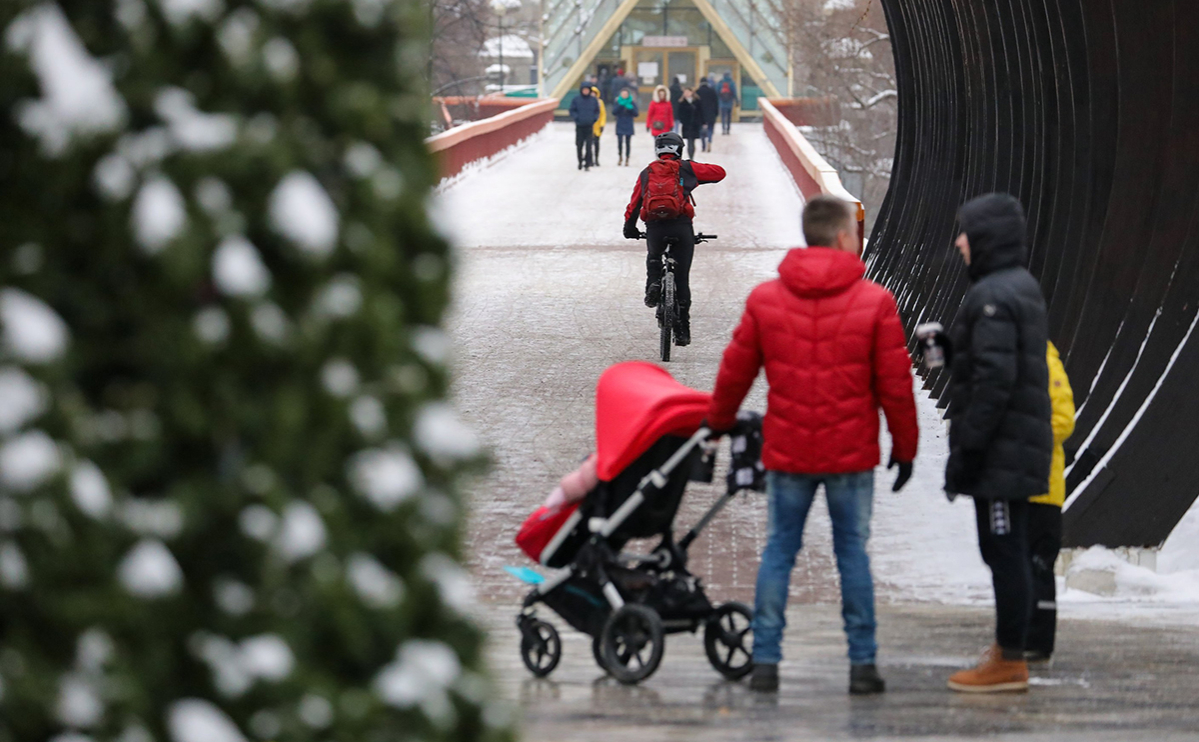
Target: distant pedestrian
[(624, 110), (676, 95), (585, 111), (1045, 519), (834, 352), (709, 104), (726, 90), (1000, 436), (618, 83), (691, 120), (597, 129), (659, 119)]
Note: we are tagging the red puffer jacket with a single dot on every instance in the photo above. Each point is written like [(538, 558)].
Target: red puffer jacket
[(834, 352)]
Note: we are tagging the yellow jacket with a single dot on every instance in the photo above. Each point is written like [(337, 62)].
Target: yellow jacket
[(1063, 426), (598, 128)]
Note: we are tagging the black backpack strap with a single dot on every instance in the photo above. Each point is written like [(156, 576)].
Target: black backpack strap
[(689, 181)]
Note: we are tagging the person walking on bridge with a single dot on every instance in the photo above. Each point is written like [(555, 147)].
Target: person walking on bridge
[(659, 118), (624, 110), (597, 130), (662, 199), (726, 90), (1000, 434), (709, 106), (584, 111), (834, 352)]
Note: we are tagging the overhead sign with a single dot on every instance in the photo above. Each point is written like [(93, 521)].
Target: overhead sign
[(664, 41)]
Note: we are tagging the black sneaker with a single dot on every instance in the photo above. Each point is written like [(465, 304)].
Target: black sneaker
[(865, 680), (653, 295), (682, 333), (765, 679)]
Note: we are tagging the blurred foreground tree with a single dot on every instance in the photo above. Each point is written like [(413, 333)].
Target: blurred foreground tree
[(227, 499)]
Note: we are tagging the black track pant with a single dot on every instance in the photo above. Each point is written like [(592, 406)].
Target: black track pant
[(726, 119), (583, 139), (623, 144), (691, 148), (595, 142), (683, 251), (1044, 542), (1003, 541)]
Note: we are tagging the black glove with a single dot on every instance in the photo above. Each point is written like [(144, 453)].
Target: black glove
[(905, 473), (631, 232), (716, 434)]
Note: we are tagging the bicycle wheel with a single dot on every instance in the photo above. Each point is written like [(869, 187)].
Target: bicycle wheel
[(669, 313)]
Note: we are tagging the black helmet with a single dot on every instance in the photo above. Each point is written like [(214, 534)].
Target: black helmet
[(668, 143)]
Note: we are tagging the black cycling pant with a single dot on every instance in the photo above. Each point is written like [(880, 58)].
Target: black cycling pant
[(1044, 542), (624, 143), (691, 148), (683, 251), (583, 140)]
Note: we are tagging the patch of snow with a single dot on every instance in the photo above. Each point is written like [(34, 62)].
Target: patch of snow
[(114, 177), (368, 416), (341, 297), (33, 332), (420, 675), (316, 711), (193, 129), (301, 532), (387, 184), (369, 12), (267, 656), (377, 586), (78, 95), (265, 724), (22, 399), (441, 434), (224, 661), (213, 195), (149, 570), (211, 324), (147, 147), (197, 720), (159, 518), (339, 377), (258, 522), (93, 650), (270, 322), (237, 268), (179, 12), (28, 460), (14, 570), (514, 47), (453, 582), (834, 5), (386, 476), (431, 344), (90, 491), (159, 214), (79, 704), (282, 59), (236, 35), (362, 160), (302, 211), (233, 597), (131, 14)]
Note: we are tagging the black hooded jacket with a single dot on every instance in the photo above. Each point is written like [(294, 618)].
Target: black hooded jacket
[(1000, 438)]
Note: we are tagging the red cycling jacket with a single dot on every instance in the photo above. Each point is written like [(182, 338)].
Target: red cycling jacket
[(703, 174), (834, 352)]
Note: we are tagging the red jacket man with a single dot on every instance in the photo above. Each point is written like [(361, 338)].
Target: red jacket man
[(834, 353)]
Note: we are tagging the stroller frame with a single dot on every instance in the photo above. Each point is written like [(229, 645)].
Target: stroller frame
[(628, 644)]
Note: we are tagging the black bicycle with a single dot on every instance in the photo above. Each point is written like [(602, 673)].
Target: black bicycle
[(668, 305)]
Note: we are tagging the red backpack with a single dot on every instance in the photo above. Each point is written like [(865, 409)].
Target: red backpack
[(665, 189)]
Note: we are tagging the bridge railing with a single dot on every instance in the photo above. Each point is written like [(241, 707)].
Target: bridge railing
[(811, 172), (478, 140)]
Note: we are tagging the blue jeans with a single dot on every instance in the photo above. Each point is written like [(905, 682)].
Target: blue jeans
[(850, 499)]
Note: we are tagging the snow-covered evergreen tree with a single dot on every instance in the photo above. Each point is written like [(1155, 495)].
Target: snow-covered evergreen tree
[(227, 497)]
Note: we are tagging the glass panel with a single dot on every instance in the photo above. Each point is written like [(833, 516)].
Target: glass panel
[(682, 65), (687, 22), (639, 24)]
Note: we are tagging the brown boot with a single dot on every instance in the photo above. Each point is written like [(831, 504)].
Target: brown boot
[(994, 674)]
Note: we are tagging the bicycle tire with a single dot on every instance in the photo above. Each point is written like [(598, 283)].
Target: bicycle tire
[(669, 314)]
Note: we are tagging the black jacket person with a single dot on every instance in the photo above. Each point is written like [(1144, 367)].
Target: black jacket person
[(1000, 438)]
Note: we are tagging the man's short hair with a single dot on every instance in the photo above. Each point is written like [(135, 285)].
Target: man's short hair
[(824, 217)]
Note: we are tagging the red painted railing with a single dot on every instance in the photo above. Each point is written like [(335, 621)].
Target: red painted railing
[(478, 140), (808, 169)]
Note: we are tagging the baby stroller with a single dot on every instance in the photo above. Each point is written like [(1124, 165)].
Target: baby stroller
[(650, 444)]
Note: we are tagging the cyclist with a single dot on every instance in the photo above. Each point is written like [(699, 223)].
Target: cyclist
[(662, 199)]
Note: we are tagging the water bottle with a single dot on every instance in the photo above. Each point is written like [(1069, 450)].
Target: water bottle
[(934, 354)]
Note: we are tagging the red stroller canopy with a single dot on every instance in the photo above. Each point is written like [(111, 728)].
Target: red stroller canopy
[(637, 403)]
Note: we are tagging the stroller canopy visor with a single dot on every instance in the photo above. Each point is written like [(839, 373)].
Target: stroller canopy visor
[(637, 403)]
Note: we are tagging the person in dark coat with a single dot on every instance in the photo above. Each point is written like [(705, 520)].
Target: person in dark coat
[(676, 94), (691, 119), (1000, 436), (709, 105), (624, 110), (584, 111)]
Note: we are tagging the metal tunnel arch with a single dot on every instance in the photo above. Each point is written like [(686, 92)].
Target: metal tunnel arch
[(1089, 113)]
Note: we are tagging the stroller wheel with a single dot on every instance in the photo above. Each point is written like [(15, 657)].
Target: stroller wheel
[(597, 651), (540, 646), (728, 640), (632, 643)]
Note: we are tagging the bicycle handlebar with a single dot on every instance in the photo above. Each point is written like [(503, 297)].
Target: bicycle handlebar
[(701, 237)]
